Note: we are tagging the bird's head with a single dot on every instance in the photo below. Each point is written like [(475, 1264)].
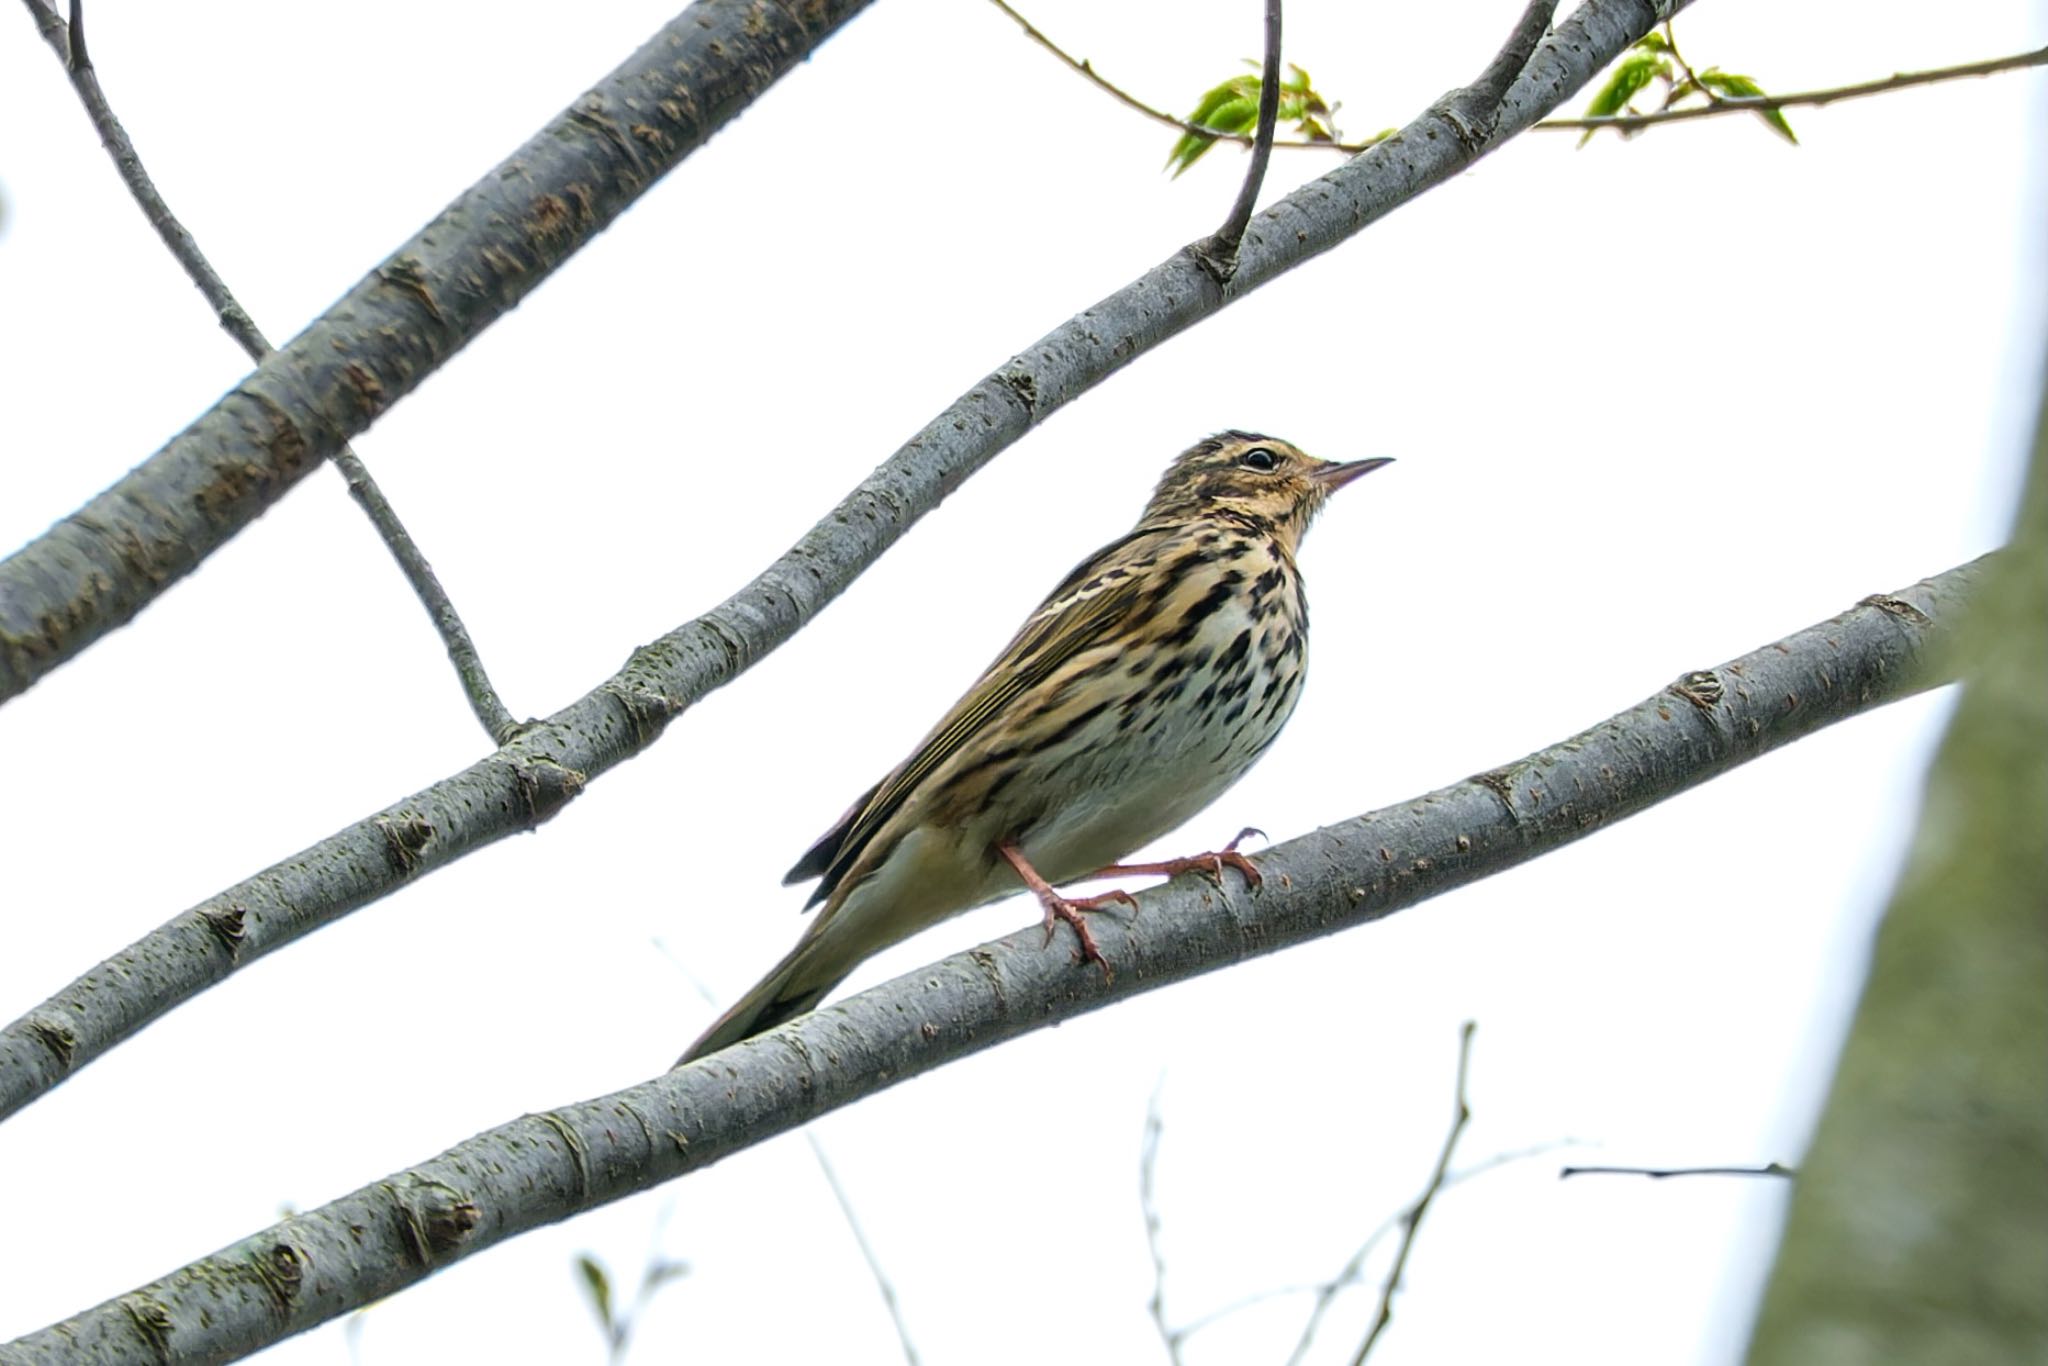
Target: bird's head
[(1260, 479)]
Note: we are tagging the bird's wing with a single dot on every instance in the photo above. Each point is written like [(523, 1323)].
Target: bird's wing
[(1092, 602)]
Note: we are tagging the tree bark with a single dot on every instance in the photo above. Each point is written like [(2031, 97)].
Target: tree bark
[(543, 1168)]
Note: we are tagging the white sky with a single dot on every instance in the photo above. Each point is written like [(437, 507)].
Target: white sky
[(1655, 405)]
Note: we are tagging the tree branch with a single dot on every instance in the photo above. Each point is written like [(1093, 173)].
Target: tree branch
[(542, 1168), (97, 568), (1218, 252), (1726, 104), (528, 780), (68, 42)]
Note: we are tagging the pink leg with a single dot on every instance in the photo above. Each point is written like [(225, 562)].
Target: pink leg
[(1211, 864), (1058, 908)]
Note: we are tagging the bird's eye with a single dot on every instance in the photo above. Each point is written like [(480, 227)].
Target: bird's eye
[(1259, 458)]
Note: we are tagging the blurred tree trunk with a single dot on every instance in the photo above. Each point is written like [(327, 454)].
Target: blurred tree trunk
[(1919, 1230)]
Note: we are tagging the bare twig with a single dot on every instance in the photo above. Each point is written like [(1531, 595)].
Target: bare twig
[(867, 1252), (1217, 252), (1413, 1219), (1327, 1291), (1148, 1162), (1660, 1173), (68, 41), (1764, 104)]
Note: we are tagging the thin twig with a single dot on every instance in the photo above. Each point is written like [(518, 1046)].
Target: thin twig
[(1660, 1173), (1692, 78), (1218, 251), (1413, 1220), (1157, 115), (1354, 1269), (1326, 1292), (68, 42), (867, 1252), (1624, 122), (1148, 1162), (1764, 104)]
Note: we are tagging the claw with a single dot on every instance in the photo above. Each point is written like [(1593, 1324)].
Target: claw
[(1209, 865), (1073, 911), (1069, 909)]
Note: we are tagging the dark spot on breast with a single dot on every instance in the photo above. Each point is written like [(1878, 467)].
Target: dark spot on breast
[(1204, 607), (1266, 583)]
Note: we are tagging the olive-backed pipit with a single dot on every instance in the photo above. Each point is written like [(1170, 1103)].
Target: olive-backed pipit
[(1147, 683)]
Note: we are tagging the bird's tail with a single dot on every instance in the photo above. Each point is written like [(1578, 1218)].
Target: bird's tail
[(792, 987)]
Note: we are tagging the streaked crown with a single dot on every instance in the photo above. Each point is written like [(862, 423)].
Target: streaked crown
[(1263, 480)]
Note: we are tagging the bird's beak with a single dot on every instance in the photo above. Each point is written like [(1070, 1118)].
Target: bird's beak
[(1334, 477)]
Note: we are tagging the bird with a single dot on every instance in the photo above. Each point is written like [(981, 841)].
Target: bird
[(1145, 684)]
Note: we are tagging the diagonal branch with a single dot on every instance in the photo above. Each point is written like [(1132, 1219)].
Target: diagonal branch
[(68, 41), (96, 569), (542, 1168), (528, 780)]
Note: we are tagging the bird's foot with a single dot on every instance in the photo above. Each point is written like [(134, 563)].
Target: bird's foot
[(1209, 865), (1070, 909), (1074, 911)]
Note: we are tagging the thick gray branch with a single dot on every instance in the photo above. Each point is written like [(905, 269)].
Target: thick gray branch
[(69, 43), (533, 776), (97, 568), (544, 1168)]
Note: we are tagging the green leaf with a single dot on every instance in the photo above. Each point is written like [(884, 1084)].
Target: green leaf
[(1187, 152), (1229, 92), (1744, 88), (1634, 71), (1220, 108), (1236, 115), (1232, 106), (598, 1286)]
